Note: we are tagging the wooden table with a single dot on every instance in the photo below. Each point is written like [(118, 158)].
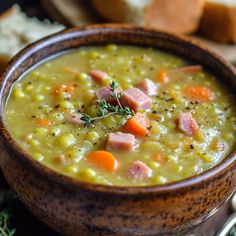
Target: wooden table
[(28, 225)]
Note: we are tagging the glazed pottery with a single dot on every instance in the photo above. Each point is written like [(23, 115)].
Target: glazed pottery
[(77, 208)]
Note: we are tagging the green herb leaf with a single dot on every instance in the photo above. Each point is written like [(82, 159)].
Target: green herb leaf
[(86, 118), (5, 229), (107, 109), (7, 197), (114, 85)]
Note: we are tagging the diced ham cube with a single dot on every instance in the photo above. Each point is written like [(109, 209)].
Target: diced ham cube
[(187, 124), (74, 118), (139, 171), (105, 93), (98, 75), (136, 99), (121, 141), (148, 87)]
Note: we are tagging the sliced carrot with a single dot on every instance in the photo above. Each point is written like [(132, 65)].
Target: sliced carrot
[(63, 88), (42, 122), (199, 93), (104, 160), (137, 125), (162, 77), (71, 70), (187, 69), (159, 158)]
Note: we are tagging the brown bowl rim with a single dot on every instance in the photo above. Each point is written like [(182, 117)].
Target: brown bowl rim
[(75, 184)]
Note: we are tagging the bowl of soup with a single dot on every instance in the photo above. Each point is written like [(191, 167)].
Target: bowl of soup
[(119, 130)]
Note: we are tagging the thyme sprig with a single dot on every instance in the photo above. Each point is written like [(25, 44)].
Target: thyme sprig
[(7, 197), (5, 230), (114, 86), (106, 109)]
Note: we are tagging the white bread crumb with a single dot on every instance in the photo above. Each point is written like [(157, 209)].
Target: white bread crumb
[(17, 30)]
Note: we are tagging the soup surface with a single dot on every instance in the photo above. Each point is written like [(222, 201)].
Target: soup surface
[(123, 116)]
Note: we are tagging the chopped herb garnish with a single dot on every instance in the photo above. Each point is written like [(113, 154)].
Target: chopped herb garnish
[(7, 197), (106, 109)]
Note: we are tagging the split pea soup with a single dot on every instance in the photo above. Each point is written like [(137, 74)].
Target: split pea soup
[(122, 116)]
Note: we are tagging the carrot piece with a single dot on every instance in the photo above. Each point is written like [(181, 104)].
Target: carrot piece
[(159, 158), (42, 122), (162, 77), (187, 69), (63, 88), (137, 125), (199, 93), (71, 70), (103, 159)]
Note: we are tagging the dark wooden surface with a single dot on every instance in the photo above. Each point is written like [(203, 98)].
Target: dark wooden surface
[(24, 222)]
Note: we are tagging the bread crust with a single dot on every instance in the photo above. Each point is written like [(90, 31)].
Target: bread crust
[(178, 16), (112, 10), (219, 22), (8, 12)]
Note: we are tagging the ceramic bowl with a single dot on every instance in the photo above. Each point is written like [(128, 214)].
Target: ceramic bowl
[(77, 208)]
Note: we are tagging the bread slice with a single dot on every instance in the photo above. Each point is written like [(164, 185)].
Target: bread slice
[(17, 30), (219, 20), (178, 16)]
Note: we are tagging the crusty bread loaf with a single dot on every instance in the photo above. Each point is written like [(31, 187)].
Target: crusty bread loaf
[(17, 30), (219, 20), (178, 16)]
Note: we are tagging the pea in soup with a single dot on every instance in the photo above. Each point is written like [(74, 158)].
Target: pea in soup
[(123, 116)]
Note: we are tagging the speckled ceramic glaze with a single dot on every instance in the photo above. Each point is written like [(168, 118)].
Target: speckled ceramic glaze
[(77, 208)]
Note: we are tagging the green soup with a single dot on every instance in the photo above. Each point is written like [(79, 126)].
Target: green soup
[(159, 120)]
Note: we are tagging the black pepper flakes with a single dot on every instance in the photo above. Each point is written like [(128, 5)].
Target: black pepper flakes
[(191, 146)]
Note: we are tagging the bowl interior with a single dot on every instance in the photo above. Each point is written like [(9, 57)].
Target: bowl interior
[(104, 34)]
